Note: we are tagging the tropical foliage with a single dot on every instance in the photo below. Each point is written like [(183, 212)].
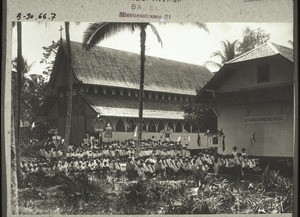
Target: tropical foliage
[(201, 118), (33, 91), (226, 53), (221, 195), (251, 39)]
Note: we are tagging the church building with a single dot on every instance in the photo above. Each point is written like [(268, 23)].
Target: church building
[(106, 83)]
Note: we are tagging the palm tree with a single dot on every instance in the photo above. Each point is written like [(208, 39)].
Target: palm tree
[(97, 32), (28, 84), (70, 86), (227, 53)]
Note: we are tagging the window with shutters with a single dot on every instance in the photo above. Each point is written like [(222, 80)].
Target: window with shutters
[(263, 73)]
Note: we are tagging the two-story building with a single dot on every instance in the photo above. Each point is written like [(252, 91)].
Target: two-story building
[(253, 98)]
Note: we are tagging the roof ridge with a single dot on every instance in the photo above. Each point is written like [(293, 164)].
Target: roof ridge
[(273, 43), (112, 67), (273, 48), (244, 54), (115, 49)]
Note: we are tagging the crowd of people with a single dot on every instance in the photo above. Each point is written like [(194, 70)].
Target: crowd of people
[(164, 159)]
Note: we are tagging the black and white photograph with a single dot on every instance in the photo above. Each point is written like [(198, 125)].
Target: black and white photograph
[(124, 118)]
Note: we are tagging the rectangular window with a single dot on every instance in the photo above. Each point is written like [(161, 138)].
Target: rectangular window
[(263, 73), (215, 140)]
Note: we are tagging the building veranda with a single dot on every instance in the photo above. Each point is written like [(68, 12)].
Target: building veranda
[(106, 83)]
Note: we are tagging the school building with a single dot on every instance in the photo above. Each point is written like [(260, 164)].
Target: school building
[(253, 98)]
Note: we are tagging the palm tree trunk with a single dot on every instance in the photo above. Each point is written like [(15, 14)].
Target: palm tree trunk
[(70, 88), (15, 157), (14, 177), (20, 87), (141, 94)]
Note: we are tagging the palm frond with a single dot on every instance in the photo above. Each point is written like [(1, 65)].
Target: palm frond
[(154, 30), (96, 32), (219, 54), (229, 50), (201, 26), (24, 66)]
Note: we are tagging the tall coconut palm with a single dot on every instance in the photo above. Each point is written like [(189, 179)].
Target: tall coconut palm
[(70, 86), (97, 32), (227, 53)]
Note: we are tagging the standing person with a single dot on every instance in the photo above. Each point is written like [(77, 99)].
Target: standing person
[(238, 166), (210, 161), (244, 164), (187, 153), (234, 152), (251, 164), (216, 166), (187, 167)]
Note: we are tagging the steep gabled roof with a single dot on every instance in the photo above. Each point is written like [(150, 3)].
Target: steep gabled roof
[(115, 68), (268, 49), (265, 50)]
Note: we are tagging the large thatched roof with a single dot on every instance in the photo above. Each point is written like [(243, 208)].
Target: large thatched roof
[(110, 67)]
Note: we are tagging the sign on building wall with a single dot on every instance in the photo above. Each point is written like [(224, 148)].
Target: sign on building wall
[(264, 119)]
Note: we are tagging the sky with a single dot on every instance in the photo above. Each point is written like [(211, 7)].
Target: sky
[(184, 43)]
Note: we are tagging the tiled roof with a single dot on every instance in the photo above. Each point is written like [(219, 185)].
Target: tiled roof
[(265, 50), (285, 51)]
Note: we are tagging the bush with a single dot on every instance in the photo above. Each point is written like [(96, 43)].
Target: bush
[(87, 194)]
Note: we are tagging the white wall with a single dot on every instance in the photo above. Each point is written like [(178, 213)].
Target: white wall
[(121, 136), (272, 139)]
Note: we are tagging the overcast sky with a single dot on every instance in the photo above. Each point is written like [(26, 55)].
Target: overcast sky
[(185, 43)]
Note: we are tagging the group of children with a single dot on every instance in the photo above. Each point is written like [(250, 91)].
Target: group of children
[(160, 159)]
